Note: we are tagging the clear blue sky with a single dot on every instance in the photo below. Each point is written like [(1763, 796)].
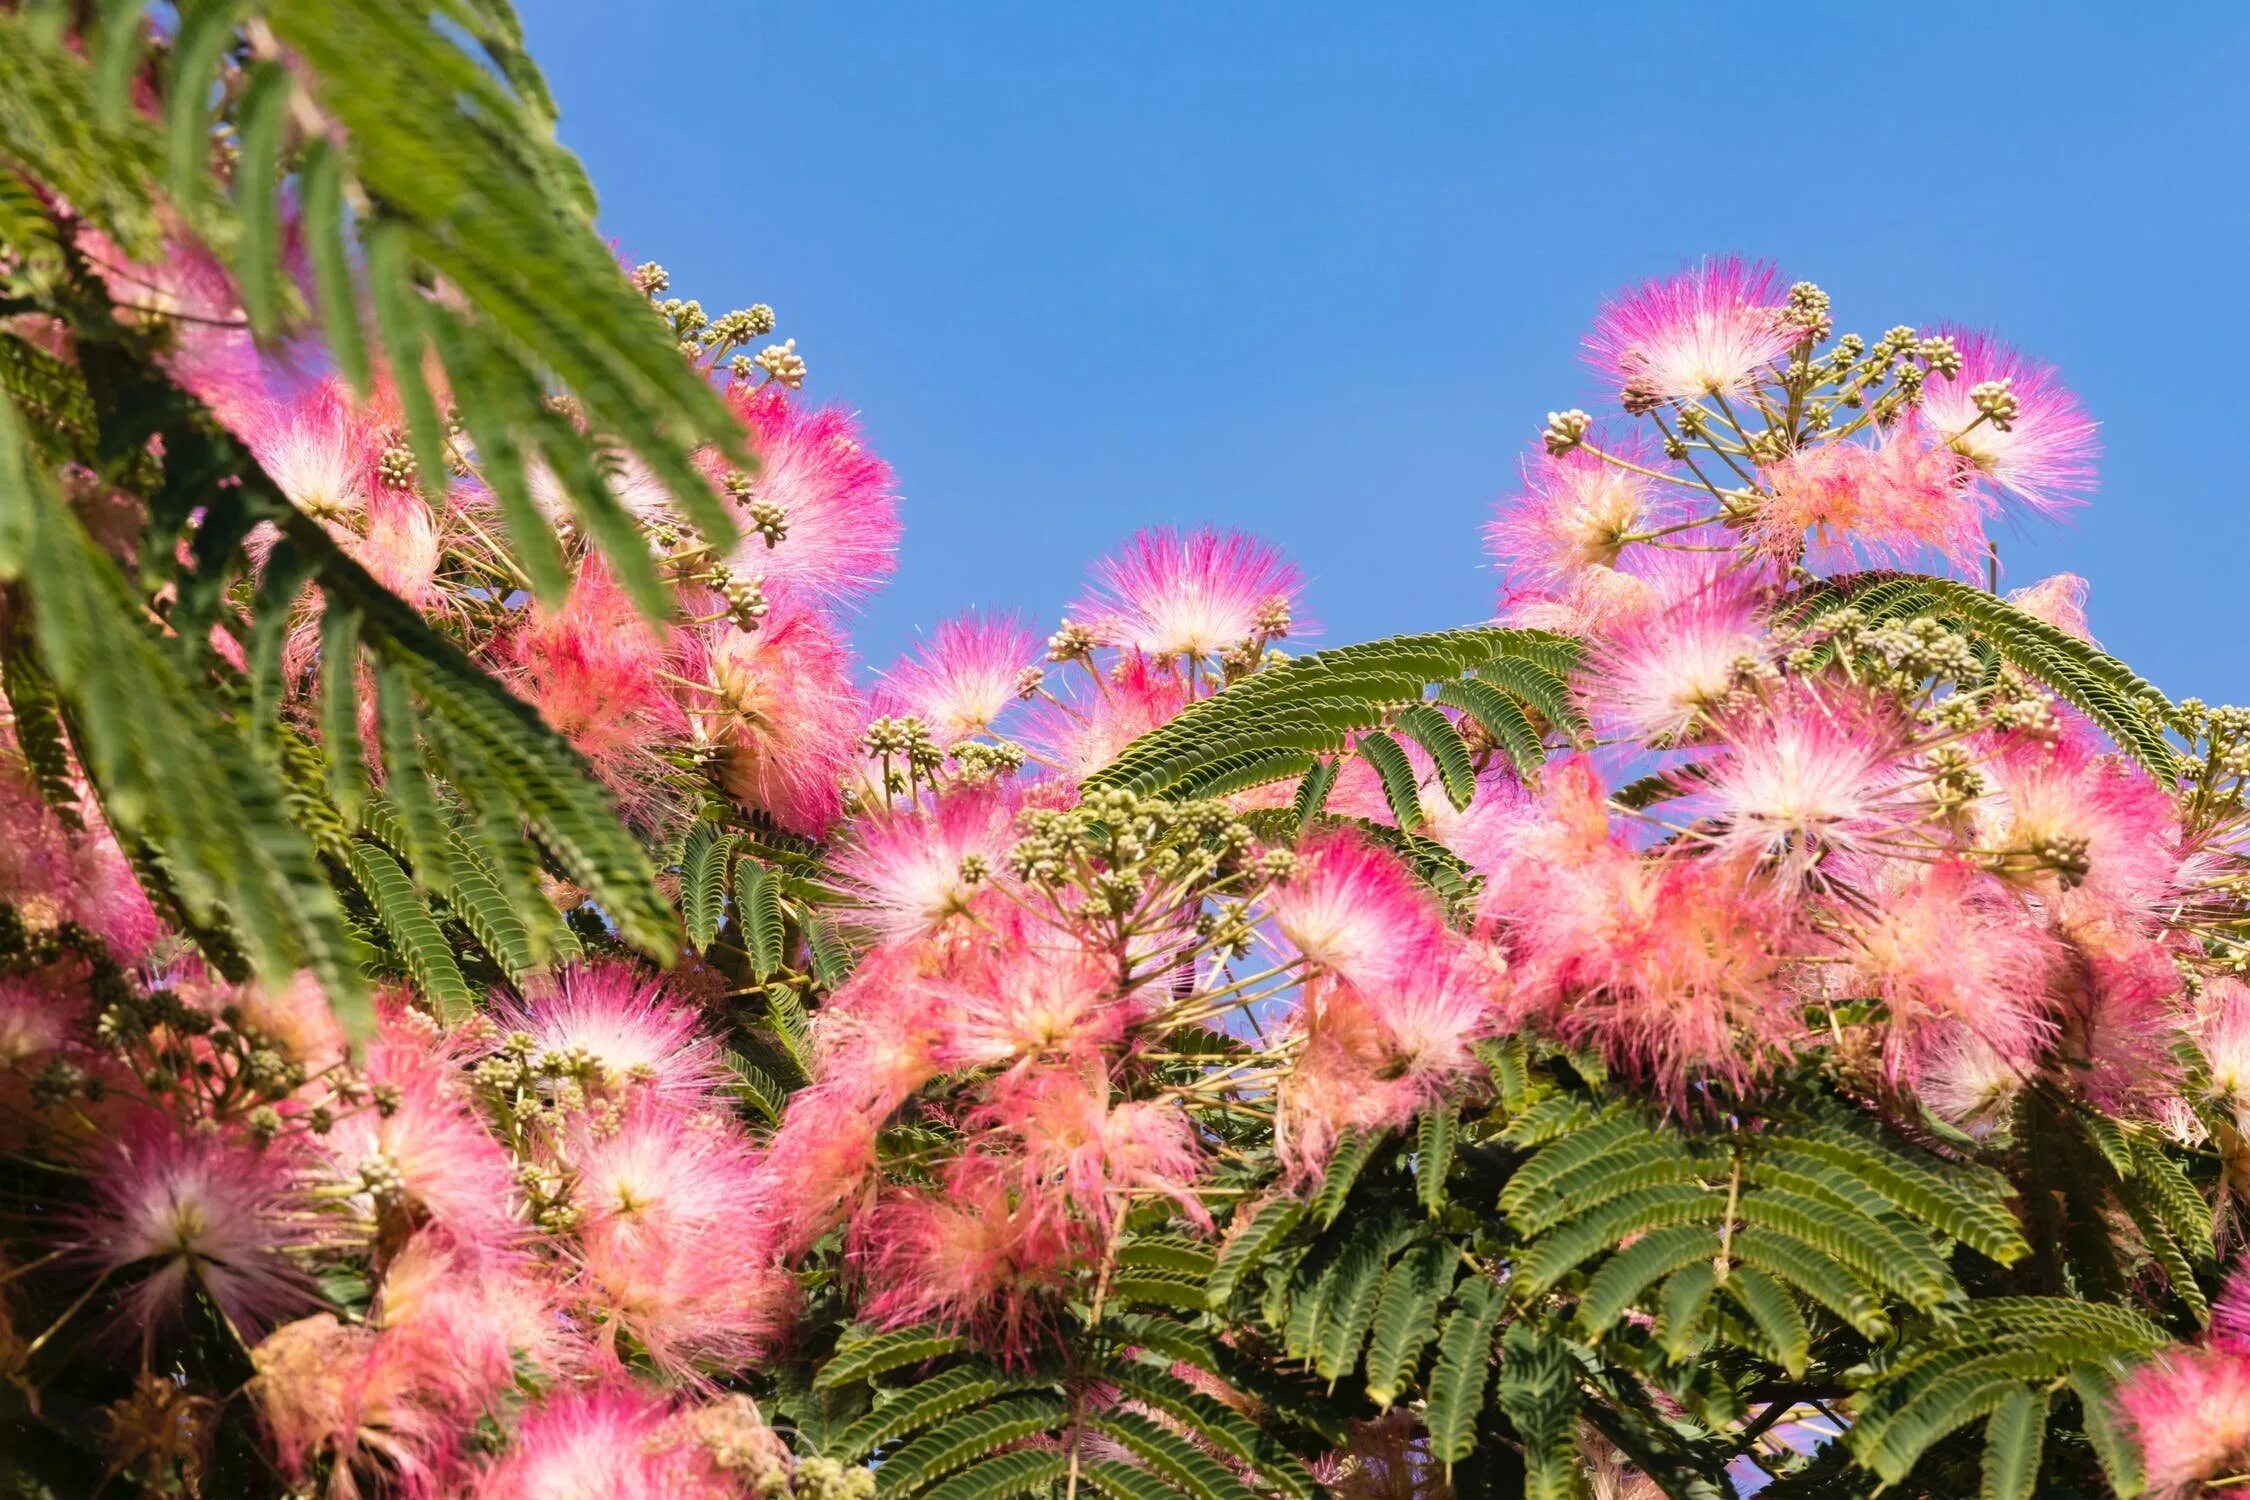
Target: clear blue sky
[(1319, 270)]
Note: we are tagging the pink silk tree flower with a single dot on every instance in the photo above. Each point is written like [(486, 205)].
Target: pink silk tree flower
[(1136, 697), (980, 1254), (1710, 331), (920, 867), (593, 667), (209, 1212), (1576, 512), (1953, 947), (321, 448), (613, 1441), (820, 515), (1595, 600), (2012, 424), (2190, 1409), (2112, 829), (1663, 670), (1840, 503), (639, 1039), (1802, 777), (188, 295), (378, 1410), (1104, 1153), (1038, 995), (820, 1163), (1353, 909), (428, 1157), (779, 705), (964, 678), (2060, 601), (1171, 594)]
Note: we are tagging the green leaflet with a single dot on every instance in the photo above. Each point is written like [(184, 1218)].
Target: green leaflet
[(414, 934), (703, 882), (2014, 1435), (938, 1453), (859, 1358), (1406, 1317), (1539, 1392), (757, 906), (1464, 1365)]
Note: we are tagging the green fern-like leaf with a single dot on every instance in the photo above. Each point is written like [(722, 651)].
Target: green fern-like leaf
[(938, 1453), (866, 1355), (1539, 1393), (415, 935), (1194, 1471), (1464, 1367), (703, 882), (1022, 1472), (1248, 1246), (918, 1406)]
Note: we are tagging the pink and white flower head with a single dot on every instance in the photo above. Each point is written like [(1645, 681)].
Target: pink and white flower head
[(983, 1254), (1711, 330), (1169, 594), (662, 1174), (2190, 1409), (820, 1163), (1953, 948), (2059, 600), (1662, 671), (1375, 1057), (321, 448), (188, 294), (1803, 777), (691, 1300), (382, 1413), (40, 1013), (1103, 1153), (402, 547), (2052, 797), (964, 678), (1136, 698), (1593, 601), (1841, 503), (1352, 909), (1038, 995), (1965, 1080), (781, 708), (610, 1441), (620, 1021), (836, 502), (2039, 445), (909, 863), (2223, 1032), (427, 1157), (593, 668), (1576, 512), (210, 1212)]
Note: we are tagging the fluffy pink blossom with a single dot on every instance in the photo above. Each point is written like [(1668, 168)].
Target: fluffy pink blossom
[(1038, 994), (981, 1254), (1966, 1080), (629, 482), (2051, 797), (1353, 909), (51, 873), (1576, 512), (2190, 1408), (39, 1013), (188, 295), (2060, 600), (1593, 601), (665, 1252), (639, 1038), (321, 448), (1953, 947), (1169, 594), (2043, 455), (593, 668), (820, 1162), (402, 547), (1661, 671), (609, 1441), (838, 502), (1375, 1056), (908, 862), (964, 678), (381, 1410), (1802, 777), (1135, 698), (1891, 503), (1672, 966), (781, 708), (2223, 1032), (427, 1156), (1708, 331), (1102, 1153), (187, 1209), (2230, 1312)]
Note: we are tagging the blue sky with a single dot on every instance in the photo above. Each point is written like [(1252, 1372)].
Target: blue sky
[(1320, 270)]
